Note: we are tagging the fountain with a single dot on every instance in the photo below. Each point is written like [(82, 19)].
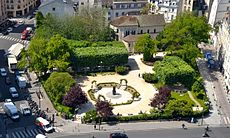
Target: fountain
[(114, 90)]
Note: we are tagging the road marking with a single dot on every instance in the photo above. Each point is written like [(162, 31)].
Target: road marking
[(33, 134), (228, 120), (40, 132), (25, 133), (30, 134), (18, 135), (21, 134)]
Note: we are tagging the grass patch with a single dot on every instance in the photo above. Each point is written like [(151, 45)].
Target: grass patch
[(184, 96), (158, 85)]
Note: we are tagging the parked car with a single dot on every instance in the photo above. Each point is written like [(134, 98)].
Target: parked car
[(3, 72), (118, 135), (7, 80), (10, 29), (13, 92), (29, 17), (40, 136), (5, 33)]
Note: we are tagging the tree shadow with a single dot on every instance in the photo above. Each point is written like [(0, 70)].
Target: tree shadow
[(133, 64)]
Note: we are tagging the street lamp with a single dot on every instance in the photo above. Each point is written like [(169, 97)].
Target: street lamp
[(101, 65)]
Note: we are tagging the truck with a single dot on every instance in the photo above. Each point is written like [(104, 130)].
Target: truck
[(21, 81), (10, 109), (12, 62)]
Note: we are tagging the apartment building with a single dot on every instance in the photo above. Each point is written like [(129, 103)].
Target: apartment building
[(3, 15), (167, 7), (116, 8), (15, 8), (218, 10), (185, 5), (222, 44)]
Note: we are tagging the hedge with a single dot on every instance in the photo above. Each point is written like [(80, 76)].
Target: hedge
[(173, 70), (150, 77), (109, 54)]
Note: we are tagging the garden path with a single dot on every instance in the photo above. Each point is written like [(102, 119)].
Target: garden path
[(193, 99), (146, 90)]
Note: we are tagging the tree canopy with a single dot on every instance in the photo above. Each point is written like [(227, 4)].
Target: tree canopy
[(146, 45), (75, 97), (58, 84), (185, 29), (174, 70), (104, 108)]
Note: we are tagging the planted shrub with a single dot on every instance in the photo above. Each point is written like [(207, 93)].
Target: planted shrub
[(150, 77), (121, 70)]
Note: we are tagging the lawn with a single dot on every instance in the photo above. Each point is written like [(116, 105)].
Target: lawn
[(184, 96)]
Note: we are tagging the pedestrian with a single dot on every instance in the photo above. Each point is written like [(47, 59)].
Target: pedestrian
[(47, 109), (94, 127), (183, 126), (139, 75)]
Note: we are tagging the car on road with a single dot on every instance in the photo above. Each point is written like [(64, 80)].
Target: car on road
[(21, 21), (40, 136), (29, 17), (44, 125), (13, 91), (5, 33), (7, 80), (118, 135), (25, 109), (3, 72), (10, 29), (10, 109), (16, 25)]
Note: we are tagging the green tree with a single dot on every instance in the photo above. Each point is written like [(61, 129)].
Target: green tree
[(147, 45), (146, 9), (58, 84), (39, 19), (58, 53), (90, 116), (37, 55), (185, 29)]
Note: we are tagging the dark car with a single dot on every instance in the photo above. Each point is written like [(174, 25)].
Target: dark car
[(7, 80), (118, 135), (5, 33)]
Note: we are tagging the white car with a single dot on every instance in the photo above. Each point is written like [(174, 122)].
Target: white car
[(40, 136), (13, 92), (21, 21), (10, 29), (3, 72)]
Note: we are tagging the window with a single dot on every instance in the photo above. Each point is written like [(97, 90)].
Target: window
[(53, 9), (11, 1), (19, 7), (12, 7), (82, 3), (154, 31), (189, 2), (7, 1), (172, 17), (109, 13), (117, 14), (8, 7), (141, 31), (117, 31), (123, 13), (19, 1), (228, 8), (148, 31)]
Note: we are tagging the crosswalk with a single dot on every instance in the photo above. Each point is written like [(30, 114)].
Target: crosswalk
[(226, 120), (25, 133), (1, 109), (14, 39)]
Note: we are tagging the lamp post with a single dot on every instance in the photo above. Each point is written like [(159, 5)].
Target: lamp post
[(101, 66)]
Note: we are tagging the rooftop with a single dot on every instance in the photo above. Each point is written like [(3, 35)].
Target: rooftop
[(141, 20)]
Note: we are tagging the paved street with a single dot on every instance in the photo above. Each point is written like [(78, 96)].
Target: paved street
[(25, 126), (158, 133), (213, 80)]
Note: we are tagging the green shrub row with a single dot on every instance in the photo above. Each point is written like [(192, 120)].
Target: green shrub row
[(114, 53), (121, 70), (150, 77)]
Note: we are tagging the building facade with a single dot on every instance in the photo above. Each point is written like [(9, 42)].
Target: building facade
[(128, 28), (167, 7), (57, 7), (222, 44), (16, 8), (218, 9), (116, 8), (3, 15)]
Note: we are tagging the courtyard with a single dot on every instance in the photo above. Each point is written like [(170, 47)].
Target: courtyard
[(146, 90)]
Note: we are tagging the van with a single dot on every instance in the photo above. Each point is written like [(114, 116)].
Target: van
[(21, 81), (10, 109), (44, 124), (25, 109)]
